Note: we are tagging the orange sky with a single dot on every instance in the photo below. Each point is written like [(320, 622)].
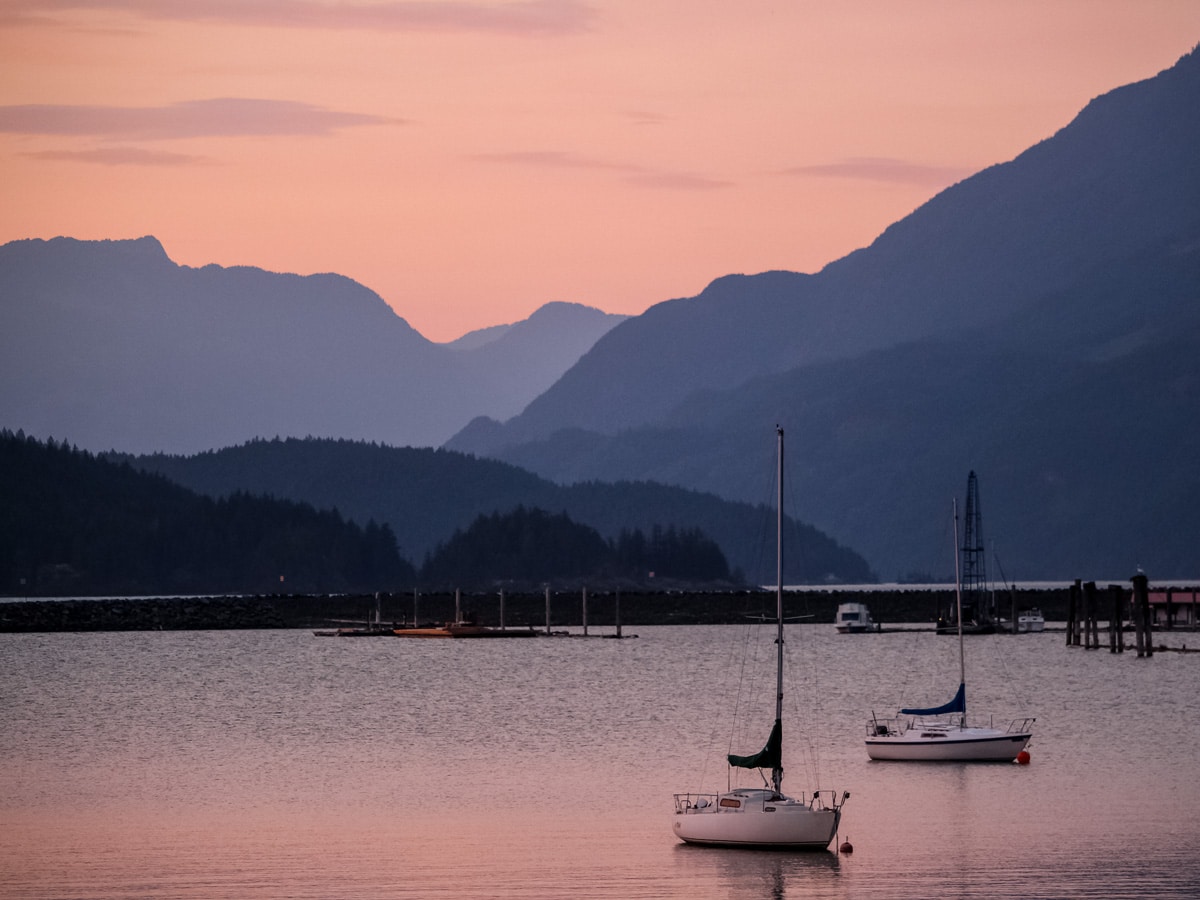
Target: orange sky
[(472, 160)]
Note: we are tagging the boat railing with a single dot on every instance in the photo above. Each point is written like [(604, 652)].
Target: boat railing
[(817, 800), (1021, 726), (894, 725), (695, 802)]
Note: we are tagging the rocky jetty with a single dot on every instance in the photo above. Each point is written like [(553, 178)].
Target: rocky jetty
[(917, 606)]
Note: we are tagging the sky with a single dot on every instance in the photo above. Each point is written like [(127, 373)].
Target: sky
[(472, 160)]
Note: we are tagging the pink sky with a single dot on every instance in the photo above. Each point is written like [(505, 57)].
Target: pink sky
[(471, 161)]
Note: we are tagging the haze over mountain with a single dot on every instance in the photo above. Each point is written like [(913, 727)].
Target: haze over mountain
[(1038, 322), (112, 345)]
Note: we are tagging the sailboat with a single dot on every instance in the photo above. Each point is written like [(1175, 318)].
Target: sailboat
[(763, 817), (942, 733)]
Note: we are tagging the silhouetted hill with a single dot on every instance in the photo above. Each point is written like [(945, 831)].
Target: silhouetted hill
[(425, 495), (76, 524), (114, 346), (1037, 323)]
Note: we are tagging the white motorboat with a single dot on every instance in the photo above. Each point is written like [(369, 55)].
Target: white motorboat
[(1030, 620), (853, 618), (763, 817), (943, 733)]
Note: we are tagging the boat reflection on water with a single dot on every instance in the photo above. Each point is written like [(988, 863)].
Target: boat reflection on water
[(754, 874)]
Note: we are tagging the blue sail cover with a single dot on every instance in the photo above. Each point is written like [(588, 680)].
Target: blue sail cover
[(769, 757), (957, 705)]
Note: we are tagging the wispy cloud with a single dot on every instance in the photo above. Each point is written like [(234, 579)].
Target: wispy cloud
[(221, 117), (554, 159), (678, 181), (119, 156), (523, 17), (633, 174), (875, 168)]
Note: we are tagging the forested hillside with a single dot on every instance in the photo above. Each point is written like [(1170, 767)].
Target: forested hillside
[(72, 523), (426, 495)]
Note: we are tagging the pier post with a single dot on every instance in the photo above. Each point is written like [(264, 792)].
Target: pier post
[(585, 612), (1072, 615), (1141, 595), (1116, 638), (1141, 615), (502, 609), (547, 610), (618, 612), (1091, 636)]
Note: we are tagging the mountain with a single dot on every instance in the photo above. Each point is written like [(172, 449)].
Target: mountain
[(425, 495), (1038, 322), (1120, 179), (112, 345)]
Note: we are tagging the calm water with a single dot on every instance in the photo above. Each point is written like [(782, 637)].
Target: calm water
[(279, 764)]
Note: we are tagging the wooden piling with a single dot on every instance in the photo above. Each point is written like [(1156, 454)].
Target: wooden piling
[(1116, 638), (1091, 633), (1141, 615), (1072, 615)]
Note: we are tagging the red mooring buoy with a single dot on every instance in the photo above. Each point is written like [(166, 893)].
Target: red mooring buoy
[(846, 847), (1023, 757)]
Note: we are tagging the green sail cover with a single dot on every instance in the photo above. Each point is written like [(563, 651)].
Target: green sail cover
[(769, 757)]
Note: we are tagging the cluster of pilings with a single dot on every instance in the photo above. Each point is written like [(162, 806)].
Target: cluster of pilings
[(1084, 605)]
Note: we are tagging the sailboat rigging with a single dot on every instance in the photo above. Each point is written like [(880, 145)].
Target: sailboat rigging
[(763, 817)]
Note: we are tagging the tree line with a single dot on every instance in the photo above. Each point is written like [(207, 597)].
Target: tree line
[(72, 523)]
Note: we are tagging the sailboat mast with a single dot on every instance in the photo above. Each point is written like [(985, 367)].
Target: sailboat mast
[(962, 661), (777, 771)]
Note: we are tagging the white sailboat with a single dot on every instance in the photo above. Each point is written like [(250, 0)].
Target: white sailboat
[(763, 817), (942, 733)]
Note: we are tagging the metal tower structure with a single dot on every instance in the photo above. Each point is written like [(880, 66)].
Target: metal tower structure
[(976, 602)]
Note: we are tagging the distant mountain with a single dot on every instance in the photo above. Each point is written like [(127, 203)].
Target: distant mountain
[(113, 346), (1038, 323), (426, 495), (514, 363)]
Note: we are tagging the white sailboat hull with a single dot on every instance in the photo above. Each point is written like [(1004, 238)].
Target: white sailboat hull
[(758, 822), (918, 744)]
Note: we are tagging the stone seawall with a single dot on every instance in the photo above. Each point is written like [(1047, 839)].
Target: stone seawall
[(520, 610)]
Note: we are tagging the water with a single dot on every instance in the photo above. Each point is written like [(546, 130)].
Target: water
[(277, 764)]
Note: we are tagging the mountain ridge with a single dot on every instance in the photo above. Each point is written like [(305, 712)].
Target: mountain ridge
[(114, 346)]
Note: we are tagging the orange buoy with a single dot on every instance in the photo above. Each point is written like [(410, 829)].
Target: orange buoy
[(846, 847), (1023, 757)]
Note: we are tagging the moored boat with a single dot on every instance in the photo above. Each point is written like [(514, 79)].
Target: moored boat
[(943, 733), (763, 817), (853, 618)]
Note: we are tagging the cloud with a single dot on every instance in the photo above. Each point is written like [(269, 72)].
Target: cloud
[(554, 159), (679, 181), (637, 175), (874, 168), (523, 17), (222, 117), (118, 156)]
